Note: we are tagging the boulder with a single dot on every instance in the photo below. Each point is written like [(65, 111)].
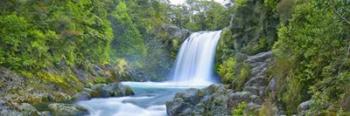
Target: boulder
[(104, 90), (176, 32), (60, 109), (304, 106), (28, 109), (117, 90), (215, 100)]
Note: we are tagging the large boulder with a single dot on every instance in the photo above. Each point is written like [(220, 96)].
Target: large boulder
[(28, 109), (104, 90), (176, 32), (60, 109), (215, 100), (117, 90)]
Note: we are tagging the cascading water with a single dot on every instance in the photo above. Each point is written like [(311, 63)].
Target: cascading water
[(194, 69), (195, 61)]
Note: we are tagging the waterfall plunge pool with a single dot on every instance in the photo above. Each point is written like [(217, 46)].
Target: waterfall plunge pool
[(149, 99)]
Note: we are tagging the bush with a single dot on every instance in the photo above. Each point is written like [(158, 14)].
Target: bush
[(227, 70), (240, 109)]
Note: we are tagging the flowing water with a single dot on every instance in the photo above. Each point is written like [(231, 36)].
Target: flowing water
[(194, 69)]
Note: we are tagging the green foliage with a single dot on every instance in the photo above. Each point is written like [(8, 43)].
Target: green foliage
[(267, 108), (240, 110), (240, 3), (243, 76), (271, 3), (313, 50), (234, 73), (226, 46), (201, 15), (37, 37), (227, 70), (100, 80), (285, 9), (256, 47), (254, 26), (128, 42)]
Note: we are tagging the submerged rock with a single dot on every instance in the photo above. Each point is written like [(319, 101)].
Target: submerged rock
[(60, 109)]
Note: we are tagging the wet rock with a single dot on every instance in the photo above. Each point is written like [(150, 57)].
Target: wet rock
[(84, 95), (28, 110), (45, 113), (60, 109), (117, 90), (104, 90)]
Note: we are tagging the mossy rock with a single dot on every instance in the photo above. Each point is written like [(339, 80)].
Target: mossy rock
[(60, 109)]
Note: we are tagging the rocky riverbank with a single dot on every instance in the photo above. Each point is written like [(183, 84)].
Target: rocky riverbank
[(20, 99)]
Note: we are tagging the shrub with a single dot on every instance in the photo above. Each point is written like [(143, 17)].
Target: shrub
[(240, 109), (227, 70)]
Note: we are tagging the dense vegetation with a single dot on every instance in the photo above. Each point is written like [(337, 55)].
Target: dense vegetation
[(310, 43), (312, 56), (38, 35)]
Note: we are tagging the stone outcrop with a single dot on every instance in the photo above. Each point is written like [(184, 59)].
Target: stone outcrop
[(258, 82)]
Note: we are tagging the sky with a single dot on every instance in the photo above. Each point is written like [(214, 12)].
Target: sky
[(177, 2)]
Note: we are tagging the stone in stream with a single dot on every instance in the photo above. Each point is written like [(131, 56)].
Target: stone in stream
[(60, 109), (104, 90)]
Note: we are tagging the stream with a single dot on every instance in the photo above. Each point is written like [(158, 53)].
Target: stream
[(149, 100)]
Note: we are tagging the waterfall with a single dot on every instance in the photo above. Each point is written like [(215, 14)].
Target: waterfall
[(194, 69), (195, 60)]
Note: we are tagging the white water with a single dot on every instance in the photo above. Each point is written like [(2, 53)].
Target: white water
[(195, 61), (194, 69)]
